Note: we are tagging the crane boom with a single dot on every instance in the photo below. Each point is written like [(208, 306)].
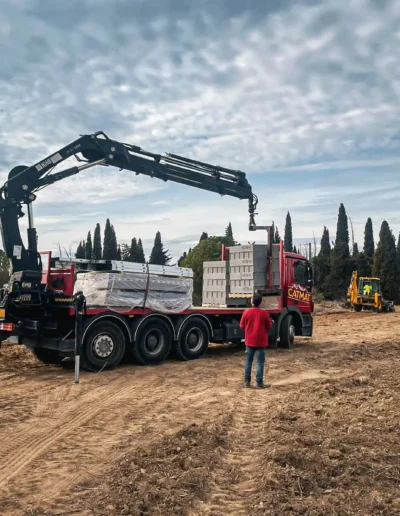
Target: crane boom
[(99, 149)]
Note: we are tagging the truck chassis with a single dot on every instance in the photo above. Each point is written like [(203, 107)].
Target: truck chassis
[(148, 337)]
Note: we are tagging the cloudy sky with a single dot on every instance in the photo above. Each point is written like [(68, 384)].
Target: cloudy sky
[(302, 96)]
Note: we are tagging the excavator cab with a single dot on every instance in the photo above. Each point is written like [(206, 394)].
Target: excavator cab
[(368, 287)]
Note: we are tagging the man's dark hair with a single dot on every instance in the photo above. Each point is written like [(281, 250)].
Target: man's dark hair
[(257, 300)]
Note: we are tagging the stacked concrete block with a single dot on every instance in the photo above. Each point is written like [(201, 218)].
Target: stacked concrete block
[(215, 283), (248, 268), (276, 271)]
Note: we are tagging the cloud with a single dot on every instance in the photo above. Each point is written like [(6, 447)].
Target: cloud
[(283, 91), (389, 162)]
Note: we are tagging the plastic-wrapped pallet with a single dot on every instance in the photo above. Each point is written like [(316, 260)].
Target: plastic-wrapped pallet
[(215, 283), (248, 268), (128, 290)]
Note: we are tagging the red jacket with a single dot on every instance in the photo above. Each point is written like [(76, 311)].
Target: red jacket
[(256, 322)]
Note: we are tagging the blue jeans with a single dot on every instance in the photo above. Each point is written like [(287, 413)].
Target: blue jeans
[(250, 352)]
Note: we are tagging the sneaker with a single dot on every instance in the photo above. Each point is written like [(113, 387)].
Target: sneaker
[(247, 383), (263, 385)]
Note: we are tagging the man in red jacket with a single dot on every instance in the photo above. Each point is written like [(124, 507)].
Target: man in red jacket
[(255, 322)]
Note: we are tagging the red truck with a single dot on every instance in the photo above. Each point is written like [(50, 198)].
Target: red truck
[(39, 306)]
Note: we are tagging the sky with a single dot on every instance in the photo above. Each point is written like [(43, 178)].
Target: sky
[(301, 96)]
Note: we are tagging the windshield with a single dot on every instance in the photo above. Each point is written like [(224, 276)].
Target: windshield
[(369, 287)]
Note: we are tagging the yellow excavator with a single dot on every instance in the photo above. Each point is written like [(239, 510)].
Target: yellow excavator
[(366, 294)]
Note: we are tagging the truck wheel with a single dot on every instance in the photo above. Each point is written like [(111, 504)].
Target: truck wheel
[(357, 308), (286, 333), (153, 342), (103, 347), (47, 356), (193, 340)]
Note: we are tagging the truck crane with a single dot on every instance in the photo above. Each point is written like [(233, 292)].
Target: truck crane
[(38, 305), (97, 149)]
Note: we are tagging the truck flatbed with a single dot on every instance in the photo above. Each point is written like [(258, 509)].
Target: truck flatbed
[(211, 310)]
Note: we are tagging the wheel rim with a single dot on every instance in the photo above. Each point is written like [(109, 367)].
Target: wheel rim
[(103, 346), (194, 339), (154, 341)]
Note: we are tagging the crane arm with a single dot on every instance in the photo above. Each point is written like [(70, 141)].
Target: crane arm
[(99, 149)]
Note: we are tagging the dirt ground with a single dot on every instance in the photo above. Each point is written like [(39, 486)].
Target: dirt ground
[(188, 439)]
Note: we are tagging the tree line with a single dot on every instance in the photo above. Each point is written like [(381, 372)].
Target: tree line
[(109, 249), (336, 260), (333, 263)]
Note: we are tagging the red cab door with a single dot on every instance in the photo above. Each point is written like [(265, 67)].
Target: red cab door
[(299, 289)]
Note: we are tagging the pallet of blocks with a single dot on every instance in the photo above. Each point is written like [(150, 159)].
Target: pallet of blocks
[(115, 289), (248, 268), (215, 283)]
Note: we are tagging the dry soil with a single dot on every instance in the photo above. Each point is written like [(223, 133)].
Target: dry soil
[(188, 439)]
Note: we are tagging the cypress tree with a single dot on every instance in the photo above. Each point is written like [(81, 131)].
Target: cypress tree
[(140, 252), (288, 239), (295, 249), (119, 253), (342, 233), (277, 237), (323, 260), (369, 249), (80, 252), (229, 235), (88, 247), (204, 236), (355, 250), (107, 245), (133, 251), (159, 256), (97, 243), (384, 265), (325, 249), (339, 277), (369, 245), (110, 248), (114, 244)]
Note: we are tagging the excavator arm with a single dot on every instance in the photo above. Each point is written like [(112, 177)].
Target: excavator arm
[(99, 149)]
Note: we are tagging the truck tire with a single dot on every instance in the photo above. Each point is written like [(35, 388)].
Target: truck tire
[(193, 339), (357, 308), (103, 346), (286, 333), (47, 356), (153, 342)]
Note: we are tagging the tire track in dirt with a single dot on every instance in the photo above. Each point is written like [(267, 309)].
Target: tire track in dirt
[(146, 421), (232, 484), (44, 449), (28, 448), (235, 481)]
